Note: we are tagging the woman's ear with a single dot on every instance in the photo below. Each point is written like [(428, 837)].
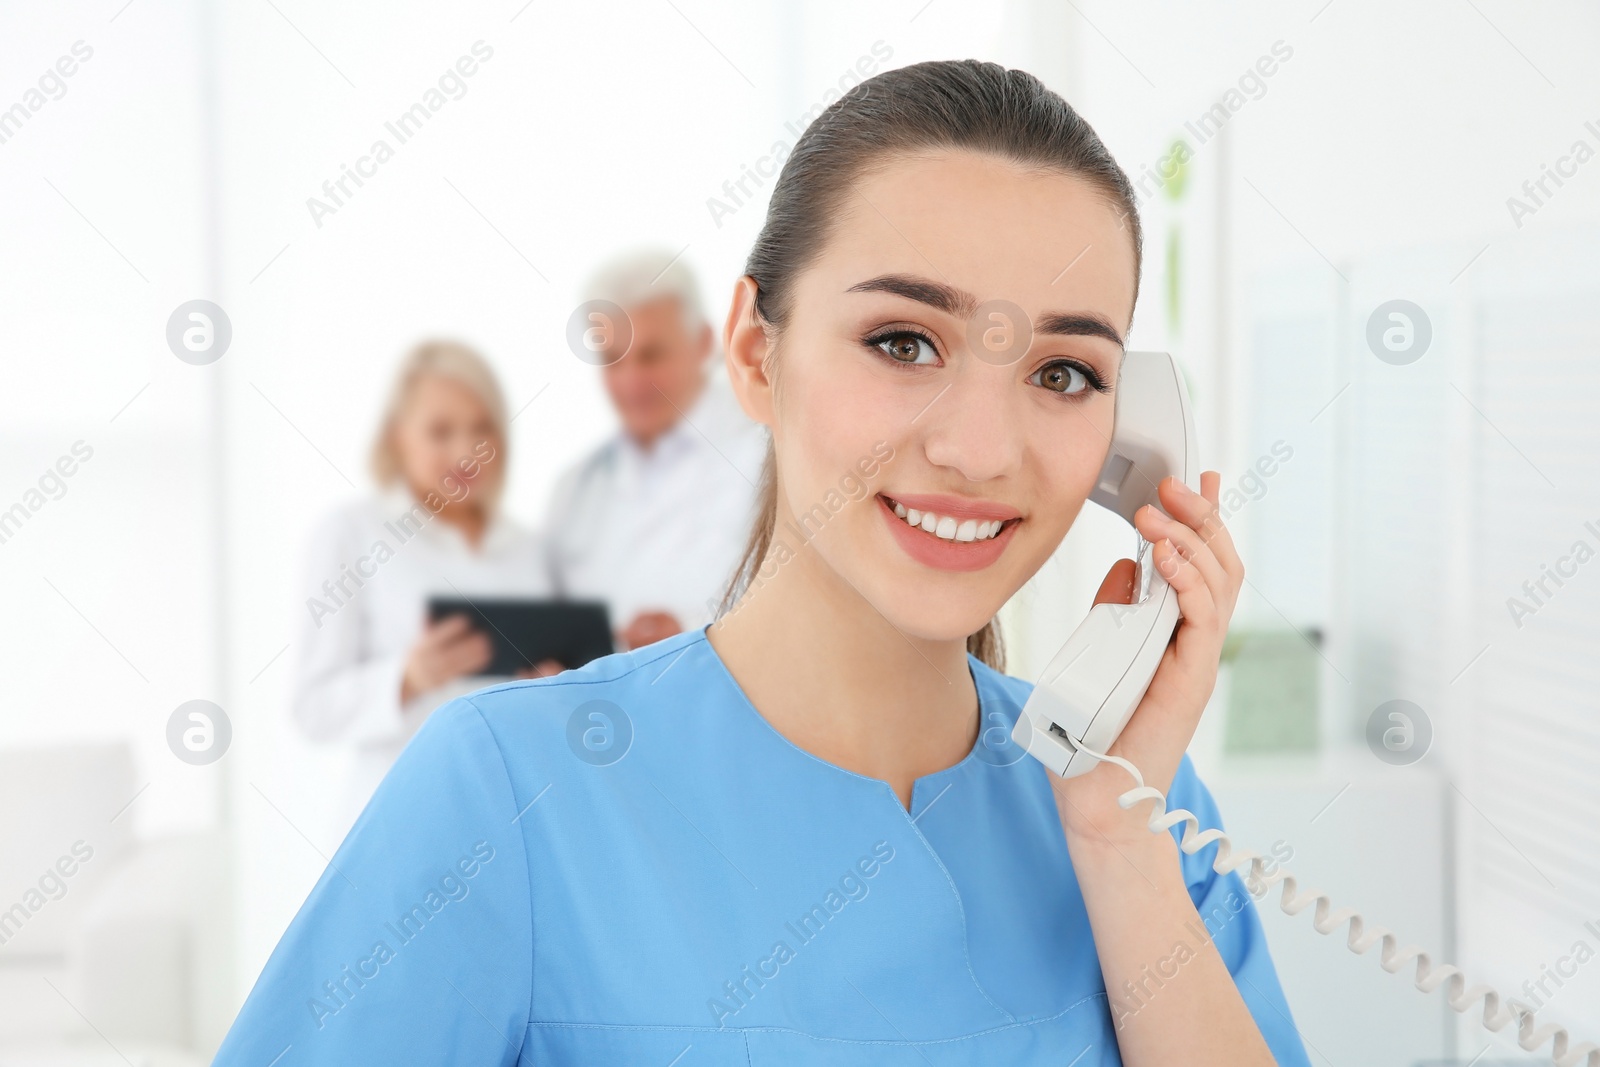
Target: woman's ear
[(747, 351)]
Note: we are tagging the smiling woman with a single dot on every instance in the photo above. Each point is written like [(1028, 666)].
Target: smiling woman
[(668, 814)]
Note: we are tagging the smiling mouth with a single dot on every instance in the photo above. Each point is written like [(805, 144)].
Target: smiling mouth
[(949, 527)]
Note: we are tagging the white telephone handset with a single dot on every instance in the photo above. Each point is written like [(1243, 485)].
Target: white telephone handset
[(1092, 686)]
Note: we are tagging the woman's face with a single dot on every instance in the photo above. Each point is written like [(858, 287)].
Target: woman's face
[(998, 424), (446, 441)]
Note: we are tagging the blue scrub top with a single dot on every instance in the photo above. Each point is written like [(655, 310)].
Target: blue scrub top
[(627, 864)]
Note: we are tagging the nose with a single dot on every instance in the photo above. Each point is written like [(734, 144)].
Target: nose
[(626, 381), (977, 428)]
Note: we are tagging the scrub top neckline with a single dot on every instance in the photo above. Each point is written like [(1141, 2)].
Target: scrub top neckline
[(918, 786)]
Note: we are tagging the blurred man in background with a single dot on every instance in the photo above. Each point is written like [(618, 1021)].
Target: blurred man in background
[(654, 520)]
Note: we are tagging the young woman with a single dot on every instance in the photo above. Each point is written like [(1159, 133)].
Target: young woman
[(785, 838), (369, 665)]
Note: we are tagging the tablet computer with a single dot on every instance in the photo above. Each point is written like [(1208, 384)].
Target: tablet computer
[(525, 632)]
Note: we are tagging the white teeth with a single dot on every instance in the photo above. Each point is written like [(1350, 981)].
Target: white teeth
[(948, 528)]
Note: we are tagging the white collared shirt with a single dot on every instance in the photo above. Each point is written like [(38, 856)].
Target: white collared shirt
[(660, 529), (369, 570)]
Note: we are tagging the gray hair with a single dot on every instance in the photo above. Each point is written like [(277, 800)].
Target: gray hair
[(647, 274)]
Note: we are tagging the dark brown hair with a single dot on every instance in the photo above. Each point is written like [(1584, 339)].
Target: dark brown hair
[(960, 104)]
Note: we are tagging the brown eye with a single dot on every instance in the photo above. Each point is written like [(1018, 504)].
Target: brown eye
[(907, 348), (1061, 378)]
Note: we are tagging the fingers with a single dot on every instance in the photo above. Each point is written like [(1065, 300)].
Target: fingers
[(647, 628), (664, 625), (1199, 512), (446, 630), (456, 633), (468, 654), (1119, 583), (447, 649), (1196, 600), (472, 654), (661, 628), (1192, 552)]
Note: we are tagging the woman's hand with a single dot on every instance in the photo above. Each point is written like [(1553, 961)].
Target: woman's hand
[(1195, 553), (545, 668), (447, 649)]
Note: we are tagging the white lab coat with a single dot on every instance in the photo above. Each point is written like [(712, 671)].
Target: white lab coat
[(352, 643), (660, 530)]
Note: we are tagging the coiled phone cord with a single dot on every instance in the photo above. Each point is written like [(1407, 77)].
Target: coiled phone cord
[(1497, 1009)]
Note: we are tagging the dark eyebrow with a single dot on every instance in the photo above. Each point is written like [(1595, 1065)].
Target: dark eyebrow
[(1079, 323), (962, 304), (947, 298)]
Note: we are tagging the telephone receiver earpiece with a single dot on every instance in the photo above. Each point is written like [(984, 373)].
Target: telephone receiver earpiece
[(1090, 689)]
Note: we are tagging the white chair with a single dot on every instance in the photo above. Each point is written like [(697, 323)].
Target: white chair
[(102, 935)]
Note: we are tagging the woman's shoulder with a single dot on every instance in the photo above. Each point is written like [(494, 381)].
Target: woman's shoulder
[(478, 753)]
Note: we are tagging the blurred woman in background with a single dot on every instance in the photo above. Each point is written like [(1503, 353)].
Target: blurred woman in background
[(371, 667)]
